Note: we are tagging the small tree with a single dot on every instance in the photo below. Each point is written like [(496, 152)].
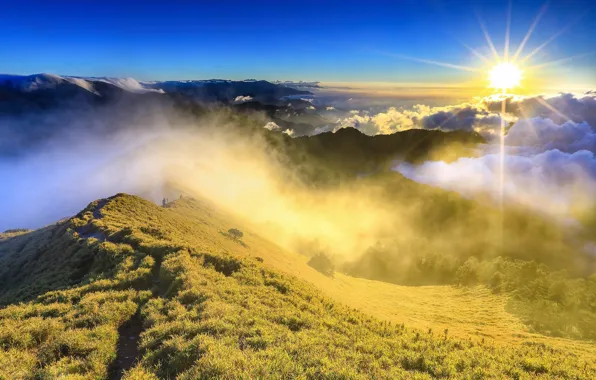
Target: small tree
[(235, 233), (322, 264)]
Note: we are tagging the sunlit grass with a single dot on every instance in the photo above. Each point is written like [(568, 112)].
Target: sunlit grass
[(228, 308)]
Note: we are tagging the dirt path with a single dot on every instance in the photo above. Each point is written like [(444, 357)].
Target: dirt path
[(129, 334), (86, 231), (157, 291), (96, 212), (128, 347)]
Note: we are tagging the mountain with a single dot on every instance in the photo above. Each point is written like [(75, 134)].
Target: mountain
[(129, 288), (128, 84), (329, 157), (29, 93), (226, 90), (47, 92)]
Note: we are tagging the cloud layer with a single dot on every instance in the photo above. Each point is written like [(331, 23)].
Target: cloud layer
[(482, 115), (468, 117), (549, 161)]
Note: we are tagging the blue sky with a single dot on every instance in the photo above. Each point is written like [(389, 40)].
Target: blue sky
[(310, 40)]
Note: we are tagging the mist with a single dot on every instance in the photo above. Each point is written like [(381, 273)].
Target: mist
[(166, 154), (204, 158)]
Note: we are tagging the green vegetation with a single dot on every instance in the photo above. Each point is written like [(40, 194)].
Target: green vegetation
[(550, 302), (543, 267), (454, 241), (71, 331), (323, 264), (235, 233), (332, 158), (210, 308)]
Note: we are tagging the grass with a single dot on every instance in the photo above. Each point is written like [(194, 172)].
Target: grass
[(211, 307)]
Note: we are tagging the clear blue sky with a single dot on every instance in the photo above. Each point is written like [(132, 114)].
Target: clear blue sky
[(310, 40)]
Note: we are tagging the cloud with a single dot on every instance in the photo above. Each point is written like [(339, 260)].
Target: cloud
[(354, 121), (468, 117), (242, 99), (128, 84), (289, 132), (559, 108), (554, 182), (544, 134), (323, 129), (483, 115), (548, 166), (272, 126), (330, 108)]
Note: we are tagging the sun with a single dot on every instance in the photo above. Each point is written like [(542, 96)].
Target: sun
[(505, 75)]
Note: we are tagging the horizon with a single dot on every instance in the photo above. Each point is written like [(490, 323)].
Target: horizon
[(379, 45)]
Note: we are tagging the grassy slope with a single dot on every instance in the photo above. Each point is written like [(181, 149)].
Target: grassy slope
[(213, 312), (466, 312)]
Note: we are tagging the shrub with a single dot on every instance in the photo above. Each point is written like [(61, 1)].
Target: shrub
[(235, 233), (322, 264)]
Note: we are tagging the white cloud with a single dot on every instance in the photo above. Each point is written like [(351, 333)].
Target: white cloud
[(559, 108), (552, 181), (330, 108), (548, 166), (544, 134), (272, 126), (323, 129), (289, 132), (242, 99), (469, 117), (482, 115), (128, 84)]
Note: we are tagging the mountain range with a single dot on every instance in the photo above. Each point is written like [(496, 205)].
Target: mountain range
[(226, 91)]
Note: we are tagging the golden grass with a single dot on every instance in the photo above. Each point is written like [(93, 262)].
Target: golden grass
[(212, 313), (475, 313)]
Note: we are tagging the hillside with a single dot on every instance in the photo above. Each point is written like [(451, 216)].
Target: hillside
[(127, 286)]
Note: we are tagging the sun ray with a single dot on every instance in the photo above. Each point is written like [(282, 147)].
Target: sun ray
[(542, 65), (489, 41), (530, 31), (431, 62), (529, 121), (552, 108), (502, 148), (507, 32), (451, 117), (551, 39), (475, 52)]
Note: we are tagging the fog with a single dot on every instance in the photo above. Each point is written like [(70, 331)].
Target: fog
[(155, 159), (164, 154)]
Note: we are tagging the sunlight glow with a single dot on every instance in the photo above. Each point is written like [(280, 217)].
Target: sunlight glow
[(505, 75)]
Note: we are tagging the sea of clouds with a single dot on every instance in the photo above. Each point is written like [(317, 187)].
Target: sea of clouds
[(549, 158), (549, 148), (548, 162)]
